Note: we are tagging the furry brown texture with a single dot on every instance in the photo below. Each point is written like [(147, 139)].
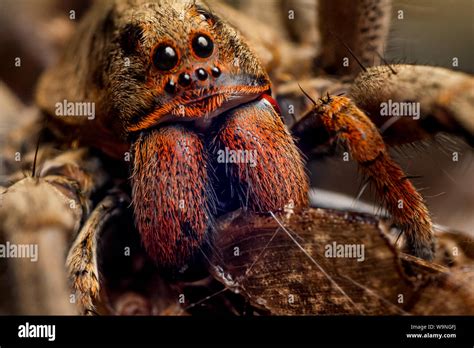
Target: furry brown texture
[(446, 100), (172, 197), (109, 63), (364, 30), (276, 178), (344, 122)]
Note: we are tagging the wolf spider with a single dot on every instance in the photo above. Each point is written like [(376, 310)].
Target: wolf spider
[(183, 66)]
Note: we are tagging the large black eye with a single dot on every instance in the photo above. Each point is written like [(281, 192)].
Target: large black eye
[(165, 57), (202, 45)]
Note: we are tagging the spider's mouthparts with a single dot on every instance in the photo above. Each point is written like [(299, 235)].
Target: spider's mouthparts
[(255, 164), (171, 197), (198, 104), (204, 123)]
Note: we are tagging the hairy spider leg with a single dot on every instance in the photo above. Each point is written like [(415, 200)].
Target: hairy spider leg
[(346, 122)]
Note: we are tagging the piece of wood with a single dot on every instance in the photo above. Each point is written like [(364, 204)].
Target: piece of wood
[(283, 267)]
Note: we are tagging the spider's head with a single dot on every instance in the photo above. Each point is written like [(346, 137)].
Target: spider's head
[(176, 61), (146, 62)]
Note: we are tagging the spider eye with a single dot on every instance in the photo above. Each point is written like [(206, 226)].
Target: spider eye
[(205, 16), (202, 45), (165, 57)]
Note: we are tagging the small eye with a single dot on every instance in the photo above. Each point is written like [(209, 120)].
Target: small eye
[(202, 45), (165, 57), (205, 16)]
